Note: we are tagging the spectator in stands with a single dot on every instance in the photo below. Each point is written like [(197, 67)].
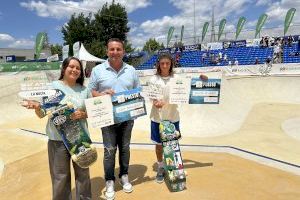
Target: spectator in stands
[(290, 40), (256, 61), (220, 55), (225, 57), (268, 60), (161, 109), (236, 62), (298, 49), (177, 60), (204, 56)]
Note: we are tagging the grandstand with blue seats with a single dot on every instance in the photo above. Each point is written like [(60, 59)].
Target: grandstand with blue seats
[(244, 55)]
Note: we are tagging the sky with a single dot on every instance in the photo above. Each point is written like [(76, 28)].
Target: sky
[(21, 20)]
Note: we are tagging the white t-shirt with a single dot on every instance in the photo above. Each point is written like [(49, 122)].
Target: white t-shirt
[(168, 111)]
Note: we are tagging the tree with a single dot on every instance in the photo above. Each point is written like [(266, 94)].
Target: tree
[(152, 45), (56, 49), (111, 21), (79, 28)]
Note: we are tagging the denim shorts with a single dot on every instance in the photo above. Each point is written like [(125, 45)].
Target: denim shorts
[(155, 131)]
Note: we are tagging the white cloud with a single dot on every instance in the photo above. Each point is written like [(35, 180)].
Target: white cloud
[(5, 37), (158, 28), (61, 9), (263, 2), (22, 43)]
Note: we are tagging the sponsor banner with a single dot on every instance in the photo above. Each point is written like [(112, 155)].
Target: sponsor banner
[(240, 26), (28, 66), (261, 21), (238, 43), (53, 58), (253, 42), (263, 70), (204, 30), (221, 28), (39, 42), (181, 33), (194, 47), (288, 19), (215, 45), (170, 34)]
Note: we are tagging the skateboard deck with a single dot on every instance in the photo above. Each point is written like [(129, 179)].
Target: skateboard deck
[(175, 174), (74, 136)]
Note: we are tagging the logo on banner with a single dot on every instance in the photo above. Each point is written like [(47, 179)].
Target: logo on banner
[(265, 69)]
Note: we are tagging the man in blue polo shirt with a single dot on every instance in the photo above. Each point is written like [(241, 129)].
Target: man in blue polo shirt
[(111, 77)]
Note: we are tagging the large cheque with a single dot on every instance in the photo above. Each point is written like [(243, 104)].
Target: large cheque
[(107, 110), (205, 92)]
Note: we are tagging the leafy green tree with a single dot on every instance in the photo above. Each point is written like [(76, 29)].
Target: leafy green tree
[(152, 45), (56, 49), (110, 21)]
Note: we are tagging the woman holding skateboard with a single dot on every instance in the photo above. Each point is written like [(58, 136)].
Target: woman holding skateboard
[(71, 84)]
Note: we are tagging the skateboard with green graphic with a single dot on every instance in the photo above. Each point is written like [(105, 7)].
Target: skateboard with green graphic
[(175, 174), (74, 136)]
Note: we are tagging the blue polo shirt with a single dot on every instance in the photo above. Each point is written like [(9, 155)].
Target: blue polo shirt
[(105, 77)]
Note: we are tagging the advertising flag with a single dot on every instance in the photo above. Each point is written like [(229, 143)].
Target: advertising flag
[(239, 27), (39, 42), (221, 28), (288, 19), (261, 21), (170, 33), (204, 30)]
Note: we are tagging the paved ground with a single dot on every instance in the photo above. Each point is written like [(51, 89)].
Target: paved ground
[(247, 147)]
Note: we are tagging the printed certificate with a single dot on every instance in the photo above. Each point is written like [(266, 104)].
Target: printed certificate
[(179, 90)]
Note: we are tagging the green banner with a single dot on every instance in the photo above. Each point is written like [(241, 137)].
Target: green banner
[(181, 35), (288, 19), (29, 66), (170, 33), (204, 30), (261, 21), (221, 28), (239, 27), (39, 42)]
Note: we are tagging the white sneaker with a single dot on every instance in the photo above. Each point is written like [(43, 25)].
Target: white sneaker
[(110, 190), (127, 187)]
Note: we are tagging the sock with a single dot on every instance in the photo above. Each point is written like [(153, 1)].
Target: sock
[(160, 164)]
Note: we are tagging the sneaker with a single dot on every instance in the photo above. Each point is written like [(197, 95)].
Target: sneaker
[(160, 175), (127, 187), (110, 190)]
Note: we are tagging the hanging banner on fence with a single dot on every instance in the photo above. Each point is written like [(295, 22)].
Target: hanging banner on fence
[(261, 21), (288, 19), (221, 28), (239, 27), (204, 30), (170, 33)]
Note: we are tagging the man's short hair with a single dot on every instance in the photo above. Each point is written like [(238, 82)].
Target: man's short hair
[(115, 40)]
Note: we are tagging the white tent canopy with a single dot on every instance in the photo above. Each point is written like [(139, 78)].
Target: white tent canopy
[(84, 55)]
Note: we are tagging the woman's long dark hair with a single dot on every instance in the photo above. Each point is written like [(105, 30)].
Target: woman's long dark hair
[(166, 56), (66, 63)]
